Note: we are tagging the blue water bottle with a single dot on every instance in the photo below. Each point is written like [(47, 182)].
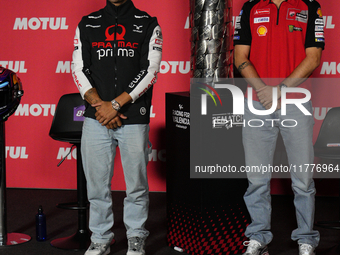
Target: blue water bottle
[(40, 221)]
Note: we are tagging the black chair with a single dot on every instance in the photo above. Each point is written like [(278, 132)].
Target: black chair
[(327, 147), (329, 134), (67, 127)]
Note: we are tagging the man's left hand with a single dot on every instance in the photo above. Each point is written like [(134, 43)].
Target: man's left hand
[(116, 121), (265, 95)]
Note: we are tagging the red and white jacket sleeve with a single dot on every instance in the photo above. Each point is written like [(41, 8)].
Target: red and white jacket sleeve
[(151, 56)]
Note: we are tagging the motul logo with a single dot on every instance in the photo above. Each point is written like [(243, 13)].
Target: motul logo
[(328, 21), (330, 68), (111, 37), (16, 152), (40, 23), (320, 112), (174, 67), (158, 155), (35, 110), (155, 155), (15, 66), (63, 152), (63, 67)]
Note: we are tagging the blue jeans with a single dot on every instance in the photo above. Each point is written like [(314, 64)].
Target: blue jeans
[(259, 145), (98, 148)]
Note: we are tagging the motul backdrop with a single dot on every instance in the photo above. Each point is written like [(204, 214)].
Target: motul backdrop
[(37, 43)]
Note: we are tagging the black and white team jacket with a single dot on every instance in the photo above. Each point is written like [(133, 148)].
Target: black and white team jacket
[(118, 49)]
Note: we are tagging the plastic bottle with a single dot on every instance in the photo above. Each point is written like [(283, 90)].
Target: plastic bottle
[(40, 220)]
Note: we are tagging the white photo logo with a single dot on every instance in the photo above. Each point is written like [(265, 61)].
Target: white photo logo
[(238, 100), (229, 120)]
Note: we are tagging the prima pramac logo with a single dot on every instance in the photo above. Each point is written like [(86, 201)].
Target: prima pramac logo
[(115, 38), (111, 36)]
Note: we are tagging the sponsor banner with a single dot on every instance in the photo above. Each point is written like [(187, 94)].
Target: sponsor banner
[(38, 45)]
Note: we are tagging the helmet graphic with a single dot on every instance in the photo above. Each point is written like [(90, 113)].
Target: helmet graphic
[(10, 93)]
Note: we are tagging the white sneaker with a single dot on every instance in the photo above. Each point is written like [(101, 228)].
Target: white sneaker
[(306, 249), (255, 248), (136, 246), (99, 248)]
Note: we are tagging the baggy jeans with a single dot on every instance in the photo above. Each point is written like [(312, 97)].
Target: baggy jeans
[(98, 148), (259, 145)]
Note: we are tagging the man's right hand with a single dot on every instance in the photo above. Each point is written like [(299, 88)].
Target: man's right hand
[(108, 116), (105, 113)]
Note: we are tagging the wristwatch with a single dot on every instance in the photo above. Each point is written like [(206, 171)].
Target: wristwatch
[(282, 85), (115, 105)]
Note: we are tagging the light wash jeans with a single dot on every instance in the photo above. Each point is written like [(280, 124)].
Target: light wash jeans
[(98, 148), (259, 145)]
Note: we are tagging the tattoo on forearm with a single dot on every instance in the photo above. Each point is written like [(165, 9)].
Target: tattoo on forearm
[(89, 96), (243, 66)]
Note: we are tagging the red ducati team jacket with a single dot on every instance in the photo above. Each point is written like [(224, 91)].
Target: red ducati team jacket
[(279, 36)]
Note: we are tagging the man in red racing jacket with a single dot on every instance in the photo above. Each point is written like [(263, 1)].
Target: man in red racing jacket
[(281, 39)]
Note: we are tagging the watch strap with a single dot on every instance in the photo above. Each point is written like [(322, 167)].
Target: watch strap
[(282, 85)]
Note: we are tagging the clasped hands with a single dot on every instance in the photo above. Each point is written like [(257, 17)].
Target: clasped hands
[(107, 116), (265, 95)]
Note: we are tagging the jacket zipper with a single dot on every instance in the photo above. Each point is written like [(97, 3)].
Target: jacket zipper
[(115, 51), (278, 13)]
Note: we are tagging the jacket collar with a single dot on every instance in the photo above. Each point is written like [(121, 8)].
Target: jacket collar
[(120, 10), (291, 2)]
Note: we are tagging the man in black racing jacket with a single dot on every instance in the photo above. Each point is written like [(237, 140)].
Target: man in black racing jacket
[(116, 59)]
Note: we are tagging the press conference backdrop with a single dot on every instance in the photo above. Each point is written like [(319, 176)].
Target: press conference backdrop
[(37, 43)]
